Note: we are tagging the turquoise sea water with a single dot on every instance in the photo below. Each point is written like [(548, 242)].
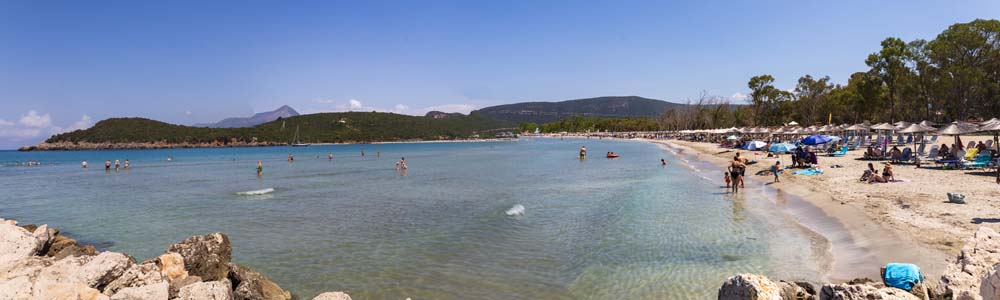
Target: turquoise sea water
[(626, 228)]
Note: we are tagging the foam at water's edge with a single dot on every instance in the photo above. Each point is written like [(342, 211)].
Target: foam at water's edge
[(256, 192)]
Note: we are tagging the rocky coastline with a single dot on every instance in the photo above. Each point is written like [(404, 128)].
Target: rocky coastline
[(37, 262), (972, 275)]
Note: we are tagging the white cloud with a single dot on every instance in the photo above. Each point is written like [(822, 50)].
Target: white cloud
[(83, 123), (354, 104), (325, 101), (32, 119), (739, 97), (400, 108), (35, 125), (464, 108)]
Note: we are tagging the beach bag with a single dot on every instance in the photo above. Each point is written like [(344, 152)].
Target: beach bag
[(902, 276), (956, 198)]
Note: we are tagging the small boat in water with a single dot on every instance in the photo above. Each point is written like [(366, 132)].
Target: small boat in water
[(612, 155), (297, 142)]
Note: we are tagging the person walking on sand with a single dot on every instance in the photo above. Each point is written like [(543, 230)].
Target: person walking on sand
[(260, 168), (776, 168)]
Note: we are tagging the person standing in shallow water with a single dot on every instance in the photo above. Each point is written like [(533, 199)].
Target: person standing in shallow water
[(775, 169), (84, 164), (260, 168), (107, 165), (291, 158), (117, 165), (329, 156)]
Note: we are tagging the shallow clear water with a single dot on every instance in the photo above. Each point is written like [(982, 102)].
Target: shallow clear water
[(626, 228)]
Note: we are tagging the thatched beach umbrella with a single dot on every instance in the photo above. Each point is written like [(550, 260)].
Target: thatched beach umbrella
[(917, 128), (995, 128), (990, 122), (957, 129), (928, 123)]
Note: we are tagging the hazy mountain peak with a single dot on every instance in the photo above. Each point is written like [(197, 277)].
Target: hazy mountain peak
[(284, 111)]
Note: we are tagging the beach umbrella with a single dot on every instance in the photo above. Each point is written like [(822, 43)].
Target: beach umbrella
[(857, 127), (990, 121), (884, 126), (816, 140), (732, 137), (917, 128), (793, 123), (957, 129), (833, 139), (995, 128), (902, 124), (928, 123), (782, 147)]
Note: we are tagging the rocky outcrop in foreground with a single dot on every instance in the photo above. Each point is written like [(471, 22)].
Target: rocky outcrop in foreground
[(972, 276), (36, 262)]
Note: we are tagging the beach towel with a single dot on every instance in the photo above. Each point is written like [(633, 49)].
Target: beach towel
[(808, 172), (902, 276)]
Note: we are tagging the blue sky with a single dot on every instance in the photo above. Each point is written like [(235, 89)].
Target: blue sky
[(66, 65)]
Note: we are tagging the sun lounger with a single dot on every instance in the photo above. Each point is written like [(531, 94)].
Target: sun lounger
[(909, 139), (981, 161), (971, 145), (989, 144), (920, 150), (842, 152), (906, 156), (899, 140), (971, 153)]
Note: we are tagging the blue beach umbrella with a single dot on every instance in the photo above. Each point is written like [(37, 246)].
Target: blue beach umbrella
[(782, 147), (816, 139)]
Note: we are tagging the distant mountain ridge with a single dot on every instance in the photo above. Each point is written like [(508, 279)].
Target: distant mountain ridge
[(611, 106), (284, 111)]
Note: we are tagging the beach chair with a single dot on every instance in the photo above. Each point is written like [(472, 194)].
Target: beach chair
[(971, 153), (920, 150), (933, 139), (842, 152), (899, 140), (857, 142), (909, 139), (971, 145), (989, 144), (906, 156), (981, 161)]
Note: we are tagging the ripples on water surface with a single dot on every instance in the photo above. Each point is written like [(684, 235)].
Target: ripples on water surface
[(594, 229)]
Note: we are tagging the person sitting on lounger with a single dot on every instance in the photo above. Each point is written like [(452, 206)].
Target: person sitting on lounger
[(944, 151), (895, 155), (981, 146)]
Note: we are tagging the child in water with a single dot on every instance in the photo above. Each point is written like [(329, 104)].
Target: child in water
[(776, 168), (728, 180)]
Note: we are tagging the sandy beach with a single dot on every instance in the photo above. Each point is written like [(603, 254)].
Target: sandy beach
[(907, 221)]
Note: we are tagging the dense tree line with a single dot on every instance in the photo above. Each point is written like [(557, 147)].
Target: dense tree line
[(593, 124), (955, 76), (313, 128)]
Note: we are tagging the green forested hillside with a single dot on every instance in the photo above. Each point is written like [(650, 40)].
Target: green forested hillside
[(313, 128)]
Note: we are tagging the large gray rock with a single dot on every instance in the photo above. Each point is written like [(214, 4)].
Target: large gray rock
[(17, 277), (212, 290), (251, 285), (206, 256), (103, 269), (863, 292), (332, 296), (16, 243), (962, 279), (759, 287), (157, 291), (136, 276)]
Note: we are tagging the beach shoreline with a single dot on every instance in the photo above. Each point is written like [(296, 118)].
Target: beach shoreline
[(858, 245)]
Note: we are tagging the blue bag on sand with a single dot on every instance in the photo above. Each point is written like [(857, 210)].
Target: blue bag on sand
[(902, 276)]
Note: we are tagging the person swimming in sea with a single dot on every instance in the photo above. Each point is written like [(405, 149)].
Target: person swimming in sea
[(291, 158), (663, 162), (107, 165), (583, 151), (117, 165), (84, 164), (378, 153), (329, 156), (401, 164), (260, 168), (126, 164)]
